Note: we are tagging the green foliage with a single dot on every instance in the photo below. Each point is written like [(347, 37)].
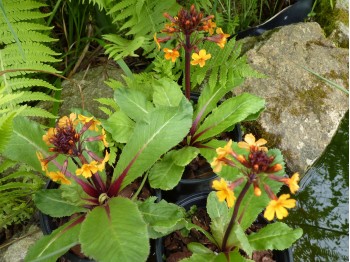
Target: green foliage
[(23, 52), (17, 185), (139, 21)]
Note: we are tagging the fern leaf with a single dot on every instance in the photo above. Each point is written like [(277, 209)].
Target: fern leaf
[(24, 82), (37, 112)]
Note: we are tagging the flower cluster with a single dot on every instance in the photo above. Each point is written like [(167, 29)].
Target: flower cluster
[(257, 166), (187, 29), (65, 139)]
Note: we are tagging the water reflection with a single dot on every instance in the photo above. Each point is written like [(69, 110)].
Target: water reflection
[(323, 204)]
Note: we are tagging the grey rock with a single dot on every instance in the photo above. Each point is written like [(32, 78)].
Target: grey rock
[(17, 251), (340, 34), (302, 112), (87, 86)]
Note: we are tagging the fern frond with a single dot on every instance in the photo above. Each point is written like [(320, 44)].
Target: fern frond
[(36, 112), (24, 82), (140, 19), (226, 67), (108, 102), (102, 4)]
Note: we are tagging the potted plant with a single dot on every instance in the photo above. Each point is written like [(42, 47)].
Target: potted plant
[(224, 232), (89, 203), (225, 70)]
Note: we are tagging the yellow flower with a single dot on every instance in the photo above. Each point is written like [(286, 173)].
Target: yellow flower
[(105, 143), (87, 169), (49, 135), (279, 207), (293, 183), (250, 143), (172, 54), (217, 164), (226, 150), (104, 161), (223, 38), (224, 192), (65, 120), (42, 161), (156, 40), (58, 177), (200, 58), (209, 26), (85, 120)]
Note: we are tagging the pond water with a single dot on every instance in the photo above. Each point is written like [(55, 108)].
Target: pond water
[(323, 204)]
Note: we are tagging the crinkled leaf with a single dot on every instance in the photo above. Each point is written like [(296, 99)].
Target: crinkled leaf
[(133, 103), (165, 174), (275, 236), (230, 112), (120, 126), (158, 132), (196, 247), (50, 202), (116, 230), (220, 216), (166, 92), (162, 218), (238, 238), (51, 247)]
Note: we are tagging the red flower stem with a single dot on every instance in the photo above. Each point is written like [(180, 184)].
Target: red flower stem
[(234, 217), (188, 50)]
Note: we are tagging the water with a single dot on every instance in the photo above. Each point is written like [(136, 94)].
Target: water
[(323, 204)]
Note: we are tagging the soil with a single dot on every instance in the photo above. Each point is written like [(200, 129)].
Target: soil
[(175, 244)]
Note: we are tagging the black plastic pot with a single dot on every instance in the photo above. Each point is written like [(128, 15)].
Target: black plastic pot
[(200, 200)]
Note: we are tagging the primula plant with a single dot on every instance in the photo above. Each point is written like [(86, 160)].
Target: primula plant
[(186, 32), (250, 175), (89, 200)]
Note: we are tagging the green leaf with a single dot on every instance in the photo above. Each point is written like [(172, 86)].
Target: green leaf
[(120, 126), (275, 236), (25, 141), (238, 238), (196, 247), (133, 103), (50, 202), (6, 127), (185, 155), (115, 231), (220, 216), (166, 92), (158, 132), (162, 218), (165, 174), (51, 247), (230, 112), (208, 257)]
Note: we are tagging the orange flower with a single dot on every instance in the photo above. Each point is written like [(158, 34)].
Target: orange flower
[(226, 150), (278, 207), (222, 38), (87, 169), (250, 143), (293, 183), (85, 120), (49, 135), (58, 177), (156, 40), (43, 162), (200, 58), (217, 164), (103, 137), (65, 120), (104, 161), (171, 54), (224, 192), (209, 26)]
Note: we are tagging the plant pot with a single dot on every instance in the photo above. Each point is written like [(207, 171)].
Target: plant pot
[(200, 200)]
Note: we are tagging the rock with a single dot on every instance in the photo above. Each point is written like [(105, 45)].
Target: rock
[(302, 112), (89, 86), (340, 34), (18, 250)]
